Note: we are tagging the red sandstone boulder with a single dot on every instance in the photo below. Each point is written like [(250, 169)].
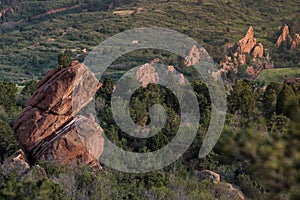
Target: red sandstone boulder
[(48, 129)]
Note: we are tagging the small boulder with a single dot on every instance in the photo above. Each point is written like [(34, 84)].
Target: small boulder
[(209, 175)]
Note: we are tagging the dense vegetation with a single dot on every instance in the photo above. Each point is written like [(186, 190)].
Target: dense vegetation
[(36, 38), (259, 149)]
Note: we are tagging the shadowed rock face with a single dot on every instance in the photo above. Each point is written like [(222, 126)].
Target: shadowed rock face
[(48, 129)]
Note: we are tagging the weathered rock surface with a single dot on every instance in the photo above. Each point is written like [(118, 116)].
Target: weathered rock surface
[(246, 46), (283, 36), (196, 55), (295, 41), (48, 129), (147, 74), (209, 175), (258, 51), (247, 43), (193, 57), (221, 188)]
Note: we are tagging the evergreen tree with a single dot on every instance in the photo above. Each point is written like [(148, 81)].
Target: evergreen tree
[(64, 60), (242, 99), (8, 144), (285, 94), (270, 99)]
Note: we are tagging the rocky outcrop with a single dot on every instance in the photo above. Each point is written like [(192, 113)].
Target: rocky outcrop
[(193, 57), (221, 189), (296, 41), (181, 79), (258, 51), (6, 11), (231, 191), (147, 74), (196, 55), (209, 175), (246, 46), (247, 43), (284, 35), (48, 128), (171, 68)]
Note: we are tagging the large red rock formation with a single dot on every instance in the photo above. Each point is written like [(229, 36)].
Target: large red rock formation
[(147, 74), (48, 129), (247, 43), (284, 35)]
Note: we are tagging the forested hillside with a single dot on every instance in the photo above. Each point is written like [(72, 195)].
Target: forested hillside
[(35, 32), (254, 45)]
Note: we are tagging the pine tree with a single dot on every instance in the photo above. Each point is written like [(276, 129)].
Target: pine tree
[(286, 93)]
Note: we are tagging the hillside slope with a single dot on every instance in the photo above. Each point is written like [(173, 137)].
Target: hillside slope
[(35, 32)]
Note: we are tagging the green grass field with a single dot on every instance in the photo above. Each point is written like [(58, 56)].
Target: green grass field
[(277, 75)]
